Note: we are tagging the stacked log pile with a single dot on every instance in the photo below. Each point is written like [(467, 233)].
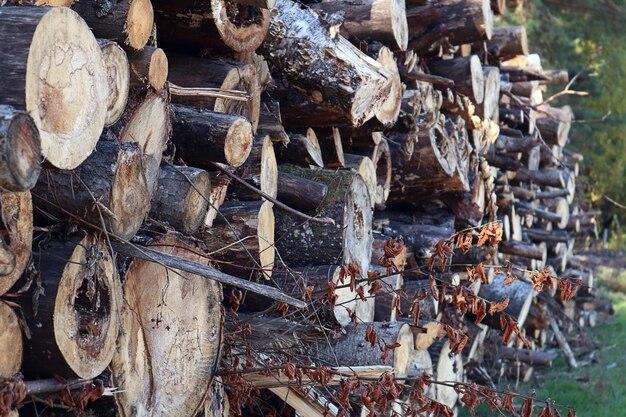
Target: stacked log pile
[(203, 199)]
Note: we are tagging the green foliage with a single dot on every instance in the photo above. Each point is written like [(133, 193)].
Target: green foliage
[(587, 37)]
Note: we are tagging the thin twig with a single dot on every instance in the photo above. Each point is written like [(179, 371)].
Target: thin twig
[(208, 92)]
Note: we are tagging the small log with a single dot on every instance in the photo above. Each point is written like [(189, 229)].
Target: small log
[(218, 25), (331, 147), (554, 124), (11, 343), (550, 236), (301, 150), (219, 187), (148, 66), (202, 136), (300, 193), (190, 71), (371, 20), (17, 233), (242, 238), (531, 357), (349, 240), (182, 197), (385, 312), (519, 293), (118, 78), (554, 216), (467, 74), (458, 21), (389, 111), (523, 249), (20, 150), (108, 190), (260, 170), (512, 144), (489, 108), (551, 177), (555, 77), (563, 343), (507, 42), (163, 345), (271, 124), (364, 166), (126, 22), (360, 84), (67, 101), (74, 321)]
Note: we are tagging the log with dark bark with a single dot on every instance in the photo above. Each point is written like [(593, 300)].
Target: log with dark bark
[(271, 124), (507, 42), (331, 147), (190, 71), (511, 144), (349, 240), (182, 197), (148, 66), (332, 72), (203, 136), (10, 341), (171, 329), (118, 78), (467, 74), (17, 233), (302, 149), (127, 22), (531, 357), (300, 193), (555, 77), (260, 170), (74, 321), (519, 293), (554, 124), (20, 150), (58, 77), (219, 186), (218, 25), (108, 190), (551, 177), (458, 21), (242, 238), (371, 20), (523, 249), (551, 236)]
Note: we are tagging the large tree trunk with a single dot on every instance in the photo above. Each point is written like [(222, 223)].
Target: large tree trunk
[(127, 22), (11, 343), (242, 238), (74, 319), (108, 190), (20, 150), (17, 232), (349, 240), (58, 76), (118, 78), (332, 72), (171, 332)]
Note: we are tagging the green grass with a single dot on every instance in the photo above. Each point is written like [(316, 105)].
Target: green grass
[(595, 390)]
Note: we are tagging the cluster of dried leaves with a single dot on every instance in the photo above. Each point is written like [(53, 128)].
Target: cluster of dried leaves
[(12, 393)]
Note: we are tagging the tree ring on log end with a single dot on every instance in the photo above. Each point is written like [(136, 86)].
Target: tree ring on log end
[(10, 341), (139, 23), (399, 23), (314, 148), (241, 27), (357, 225), (85, 309), (66, 87), (402, 354), (242, 78), (389, 111), (118, 76), (23, 151), (478, 79), (269, 168), (196, 202), (238, 143), (488, 18), (265, 234), (17, 232), (157, 73)]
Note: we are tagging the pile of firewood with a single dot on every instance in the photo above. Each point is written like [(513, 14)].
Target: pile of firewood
[(200, 195)]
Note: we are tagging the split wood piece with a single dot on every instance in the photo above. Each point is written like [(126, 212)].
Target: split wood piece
[(364, 166), (16, 230), (563, 343), (11, 343), (127, 22), (533, 158), (331, 148), (242, 238), (118, 79), (498, 6), (219, 187), (148, 66), (332, 72), (353, 350), (74, 320), (467, 74), (531, 357), (204, 136), (447, 367), (519, 293), (190, 71), (260, 170), (108, 190), (489, 108), (555, 77), (146, 122), (20, 150), (219, 25), (458, 21), (428, 307), (383, 21), (271, 124), (511, 144), (302, 149), (182, 197), (506, 42), (523, 249), (171, 329), (390, 109), (550, 177), (300, 193), (554, 124), (58, 77), (349, 240)]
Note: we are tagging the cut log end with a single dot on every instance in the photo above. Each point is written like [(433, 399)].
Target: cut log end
[(22, 147), (157, 73), (388, 112), (269, 169), (243, 78), (118, 77), (265, 234), (66, 87), (10, 342), (17, 232), (242, 27), (238, 142), (477, 77), (313, 147), (399, 23), (139, 23), (402, 354)]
